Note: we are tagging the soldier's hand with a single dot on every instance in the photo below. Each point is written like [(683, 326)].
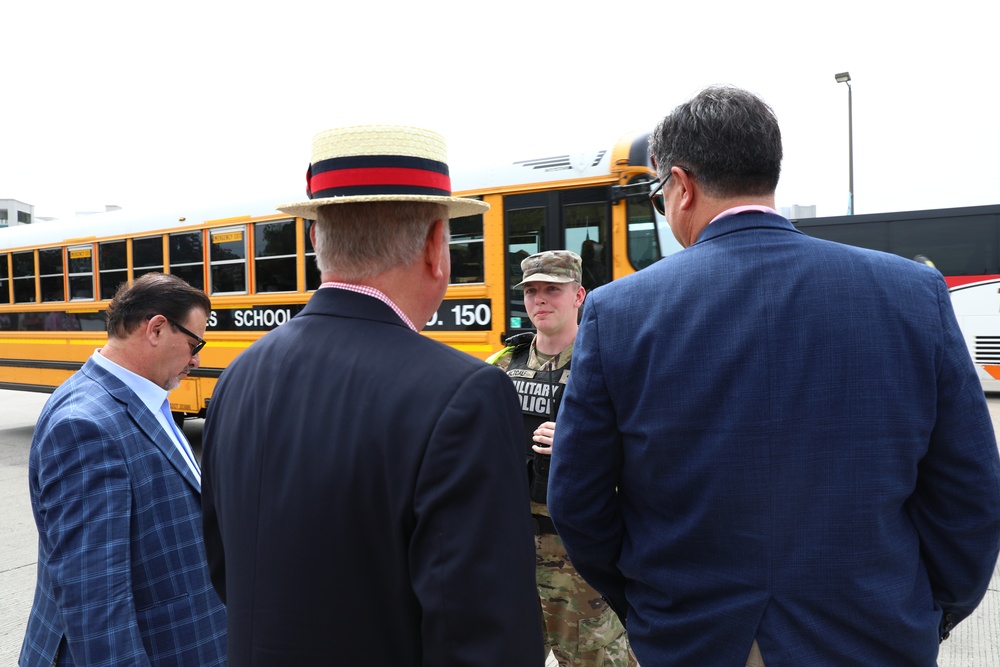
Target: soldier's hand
[(543, 437)]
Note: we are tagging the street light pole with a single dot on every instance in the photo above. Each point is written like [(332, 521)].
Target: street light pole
[(845, 77)]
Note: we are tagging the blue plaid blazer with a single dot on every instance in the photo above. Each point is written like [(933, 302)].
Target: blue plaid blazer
[(122, 577)]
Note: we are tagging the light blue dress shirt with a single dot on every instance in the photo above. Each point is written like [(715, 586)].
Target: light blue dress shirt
[(153, 397)]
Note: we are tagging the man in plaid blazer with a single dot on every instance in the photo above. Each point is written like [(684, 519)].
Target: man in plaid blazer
[(116, 495)]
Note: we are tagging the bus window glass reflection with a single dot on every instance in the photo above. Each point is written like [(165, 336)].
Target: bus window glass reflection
[(50, 274), (24, 277), (274, 256), (313, 278), (228, 258), (4, 280), (466, 249), (81, 273), (147, 256), (112, 267), (186, 259)]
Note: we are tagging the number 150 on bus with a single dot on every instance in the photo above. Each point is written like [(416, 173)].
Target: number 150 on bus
[(462, 315)]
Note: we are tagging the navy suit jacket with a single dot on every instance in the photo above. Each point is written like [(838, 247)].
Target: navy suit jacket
[(121, 564), (801, 449), (365, 501)]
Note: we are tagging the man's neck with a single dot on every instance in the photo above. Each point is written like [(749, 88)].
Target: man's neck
[(718, 206), (406, 287), (118, 352), (555, 343)]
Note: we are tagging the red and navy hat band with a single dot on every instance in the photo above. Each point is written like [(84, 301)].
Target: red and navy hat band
[(369, 175)]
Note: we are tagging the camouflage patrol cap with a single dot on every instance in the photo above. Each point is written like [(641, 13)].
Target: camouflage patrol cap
[(551, 266)]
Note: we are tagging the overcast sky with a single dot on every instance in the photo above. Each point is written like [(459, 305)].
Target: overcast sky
[(147, 104)]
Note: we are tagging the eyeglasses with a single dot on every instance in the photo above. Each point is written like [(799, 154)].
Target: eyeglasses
[(201, 341), (656, 194)]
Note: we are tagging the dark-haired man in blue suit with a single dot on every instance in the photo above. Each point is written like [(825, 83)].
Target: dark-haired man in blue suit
[(773, 449), (116, 494)]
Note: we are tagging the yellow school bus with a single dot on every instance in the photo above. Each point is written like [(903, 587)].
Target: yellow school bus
[(258, 265)]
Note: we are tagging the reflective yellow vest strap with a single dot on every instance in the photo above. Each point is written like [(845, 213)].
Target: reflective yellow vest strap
[(492, 359)]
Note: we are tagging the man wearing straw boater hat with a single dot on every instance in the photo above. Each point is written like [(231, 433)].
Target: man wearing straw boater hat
[(363, 485)]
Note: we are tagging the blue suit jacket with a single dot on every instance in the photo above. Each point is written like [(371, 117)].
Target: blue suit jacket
[(365, 501), (121, 565), (801, 448)]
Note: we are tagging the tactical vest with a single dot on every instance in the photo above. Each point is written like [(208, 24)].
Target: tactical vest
[(538, 391)]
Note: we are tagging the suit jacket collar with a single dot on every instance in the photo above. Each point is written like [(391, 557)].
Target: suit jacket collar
[(744, 221), (345, 303), (141, 415)]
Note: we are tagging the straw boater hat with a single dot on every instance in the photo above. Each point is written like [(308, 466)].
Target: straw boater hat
[(372, 163)]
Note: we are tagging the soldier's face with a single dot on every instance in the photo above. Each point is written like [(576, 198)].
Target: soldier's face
[(552, 306)]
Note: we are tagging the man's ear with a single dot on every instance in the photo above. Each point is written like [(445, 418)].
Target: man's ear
[(687, 185), (435, 248), (154, 328)]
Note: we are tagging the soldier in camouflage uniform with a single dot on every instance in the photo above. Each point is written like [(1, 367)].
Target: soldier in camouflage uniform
[(579, 627)]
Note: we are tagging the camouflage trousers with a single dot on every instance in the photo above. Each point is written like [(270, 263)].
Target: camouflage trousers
[(579, 627)]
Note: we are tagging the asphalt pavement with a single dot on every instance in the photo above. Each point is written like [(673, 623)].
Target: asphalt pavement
[(974, 643)]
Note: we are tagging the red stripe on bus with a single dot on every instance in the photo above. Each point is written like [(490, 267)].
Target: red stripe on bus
[(959, 281)]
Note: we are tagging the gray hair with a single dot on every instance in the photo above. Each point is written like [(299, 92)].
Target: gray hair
[(727, 138), (362, 240)]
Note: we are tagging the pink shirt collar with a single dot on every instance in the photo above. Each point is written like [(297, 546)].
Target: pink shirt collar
[(743, 209), (371, 291)]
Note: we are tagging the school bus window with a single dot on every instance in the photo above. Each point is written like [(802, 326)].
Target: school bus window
[(24, 277), (586, 234), (186, 259), (467, 249), (50, 273), (113, 265), (147, 256), (274, 256), (4, 276), (313, 279), (228, 260), (643, 245), (81, 273), (526, 236)]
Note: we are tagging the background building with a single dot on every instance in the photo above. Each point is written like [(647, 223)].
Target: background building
[(13, 212), (796, 212)]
